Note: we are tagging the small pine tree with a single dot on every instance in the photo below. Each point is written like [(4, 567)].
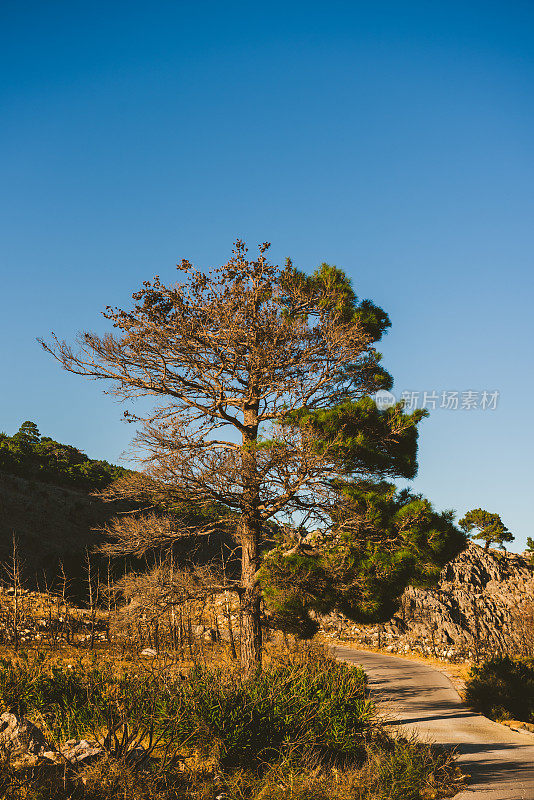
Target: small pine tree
[(490, 527), (27, 436)]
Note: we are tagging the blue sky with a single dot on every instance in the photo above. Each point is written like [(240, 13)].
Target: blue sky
[(392, 139)]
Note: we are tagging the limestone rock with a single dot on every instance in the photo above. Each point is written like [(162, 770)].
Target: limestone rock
[(19, 736), (77, 751)]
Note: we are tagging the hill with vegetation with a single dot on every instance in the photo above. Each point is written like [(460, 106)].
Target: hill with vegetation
[(47, 506), (50, 504), (52, 526), (29, 455)]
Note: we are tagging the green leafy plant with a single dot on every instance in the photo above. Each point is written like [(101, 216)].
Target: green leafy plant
[(503, 688), (310, 705)]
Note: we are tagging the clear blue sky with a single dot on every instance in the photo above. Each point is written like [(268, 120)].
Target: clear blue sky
[(394, 139)]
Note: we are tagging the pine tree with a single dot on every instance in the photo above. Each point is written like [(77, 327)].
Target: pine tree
[(264, 377), (490, 527)]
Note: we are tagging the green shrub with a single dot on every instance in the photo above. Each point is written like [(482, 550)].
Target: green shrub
[(68, 698), (502, 688), (313, 704), (304, 728), (300, 705), (406, 769)]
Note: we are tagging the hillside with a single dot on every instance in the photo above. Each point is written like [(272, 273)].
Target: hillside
[(46, 503), (483, 604), (30, 455), (52, 524)]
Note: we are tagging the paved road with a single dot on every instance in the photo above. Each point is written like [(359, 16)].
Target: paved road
[(416, 697)]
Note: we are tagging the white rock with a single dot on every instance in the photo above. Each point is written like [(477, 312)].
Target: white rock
[(19, 736)]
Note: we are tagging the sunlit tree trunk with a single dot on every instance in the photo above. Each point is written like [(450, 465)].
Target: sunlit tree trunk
[(250, 596), (250, 601)]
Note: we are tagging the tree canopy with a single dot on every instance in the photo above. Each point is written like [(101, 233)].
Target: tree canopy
[(380, 540), (490, 527), (265, 379)]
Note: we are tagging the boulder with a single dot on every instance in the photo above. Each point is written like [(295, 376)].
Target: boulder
[(19, 736), (77, 751)]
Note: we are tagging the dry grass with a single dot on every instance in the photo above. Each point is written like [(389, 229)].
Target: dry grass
[(385, 769)]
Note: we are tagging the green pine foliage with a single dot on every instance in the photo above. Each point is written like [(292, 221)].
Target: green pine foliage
[(490, 527), (374, 441), (382, 540), (29, 455)]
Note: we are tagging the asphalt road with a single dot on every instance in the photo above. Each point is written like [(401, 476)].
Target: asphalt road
[(500, 762)]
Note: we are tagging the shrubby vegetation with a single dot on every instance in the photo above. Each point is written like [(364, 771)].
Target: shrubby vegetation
[(30, 455), (503, 688), (304, 727)]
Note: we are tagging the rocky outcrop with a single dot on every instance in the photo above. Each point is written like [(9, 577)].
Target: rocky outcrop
[(24, 743), (483, 604), (19, 736)]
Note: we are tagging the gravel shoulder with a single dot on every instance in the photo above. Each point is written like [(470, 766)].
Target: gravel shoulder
[(417, 698)]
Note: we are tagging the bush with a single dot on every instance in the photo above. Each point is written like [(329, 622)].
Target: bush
[(503, 688), (406, 769), (311, 704)]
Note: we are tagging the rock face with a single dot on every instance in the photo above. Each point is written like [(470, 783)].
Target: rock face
[(482, 605)]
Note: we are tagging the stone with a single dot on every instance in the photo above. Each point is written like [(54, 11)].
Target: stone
[(19, 736), (82, 750)]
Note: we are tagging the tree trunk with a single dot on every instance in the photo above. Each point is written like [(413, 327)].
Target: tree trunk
[(250, 599), (250, 595)]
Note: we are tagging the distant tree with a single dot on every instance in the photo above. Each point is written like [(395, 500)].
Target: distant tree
[(27, 435), (31, 455), (490, 527), (265, 377)]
